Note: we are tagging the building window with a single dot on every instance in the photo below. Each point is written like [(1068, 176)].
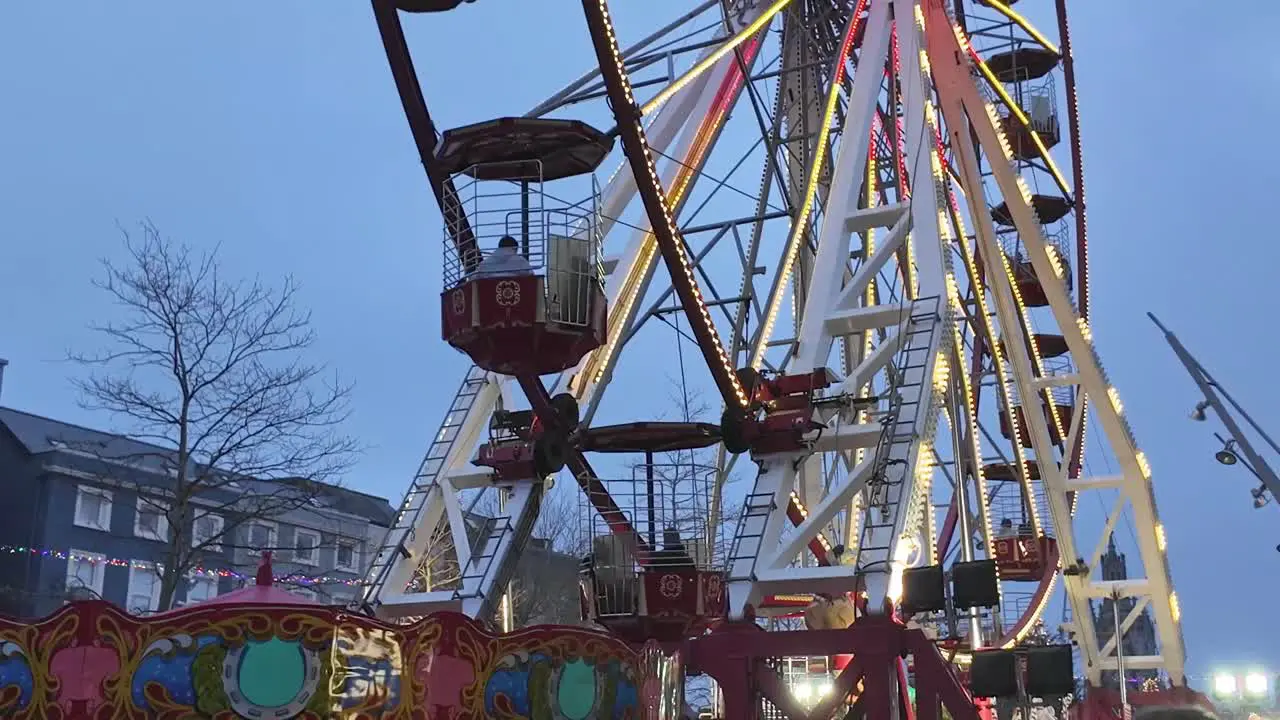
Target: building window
[(144, 588), (85, 571), (93, 507), (345, 556), (307, 593), (306, 547), (262, 536), (207, 528), (202, 588), (151, 520)]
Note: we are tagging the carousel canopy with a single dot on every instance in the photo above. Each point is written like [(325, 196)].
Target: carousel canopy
[(262, 592)]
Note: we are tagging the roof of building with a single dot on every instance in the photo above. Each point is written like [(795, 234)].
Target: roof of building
[(39, 435)]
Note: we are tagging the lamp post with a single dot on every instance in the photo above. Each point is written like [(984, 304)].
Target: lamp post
[(1214, 397)]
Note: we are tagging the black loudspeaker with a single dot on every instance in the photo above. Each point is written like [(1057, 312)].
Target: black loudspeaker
[(1050, 671), (994, 674), (975, 584), (923, 590)]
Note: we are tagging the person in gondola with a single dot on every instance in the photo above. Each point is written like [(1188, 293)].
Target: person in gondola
[(504, 260), (673, 555)]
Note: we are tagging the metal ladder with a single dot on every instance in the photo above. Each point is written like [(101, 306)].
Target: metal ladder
[(898, 433), (756, 508), (426, 479), (473, 586)]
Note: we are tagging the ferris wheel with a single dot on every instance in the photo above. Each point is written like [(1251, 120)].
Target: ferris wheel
[(866, 220)]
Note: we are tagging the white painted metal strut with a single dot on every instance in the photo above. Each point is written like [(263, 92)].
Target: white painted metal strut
[(762, 559), (965, 108), (833, 309)]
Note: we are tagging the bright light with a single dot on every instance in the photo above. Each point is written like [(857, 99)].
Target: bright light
[(801, 691), (1255, 684), (1224, 684), (823, 689)]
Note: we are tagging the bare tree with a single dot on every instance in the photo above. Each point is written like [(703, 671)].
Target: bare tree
[(545, 587), (211, 372), (438, 569)]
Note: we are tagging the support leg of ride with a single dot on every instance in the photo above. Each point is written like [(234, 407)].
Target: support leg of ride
[(736, 654)]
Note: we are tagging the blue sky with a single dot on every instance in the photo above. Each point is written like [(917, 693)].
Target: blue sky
[(274, 129)]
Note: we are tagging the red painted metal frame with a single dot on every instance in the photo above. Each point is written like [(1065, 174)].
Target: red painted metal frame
[(1082, 222), (424, 130), (631, 131), (735, 655), (578, 465)]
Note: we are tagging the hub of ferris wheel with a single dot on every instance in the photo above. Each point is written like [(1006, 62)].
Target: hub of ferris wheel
[(934, 294)]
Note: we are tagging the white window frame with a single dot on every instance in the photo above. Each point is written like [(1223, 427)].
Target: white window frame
[(137, 571), (354, 565), (315, 547), (103, 521), (200, 578), (99, 570), (196, 539), (273, 538), (162, 527)]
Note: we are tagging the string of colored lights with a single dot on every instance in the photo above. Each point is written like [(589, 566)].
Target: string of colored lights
[(96, 558)]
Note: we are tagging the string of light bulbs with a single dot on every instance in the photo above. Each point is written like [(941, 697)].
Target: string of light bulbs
[(97, 558)]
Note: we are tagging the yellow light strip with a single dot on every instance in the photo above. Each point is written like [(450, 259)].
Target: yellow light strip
[(648, 249), (1001, 371), (661, 218), (1024, 24), (711, 59), (810, 195), (970, 409), (1009, 102)]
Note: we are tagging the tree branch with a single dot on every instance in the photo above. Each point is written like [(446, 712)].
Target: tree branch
[(212, 373)]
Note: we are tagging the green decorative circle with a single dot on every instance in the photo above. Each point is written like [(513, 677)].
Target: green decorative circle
[(576, 690), (272, 672), (272, 679)]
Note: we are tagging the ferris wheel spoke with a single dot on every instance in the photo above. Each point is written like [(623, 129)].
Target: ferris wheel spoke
[(661, 220), (566, 95), (596, 369)]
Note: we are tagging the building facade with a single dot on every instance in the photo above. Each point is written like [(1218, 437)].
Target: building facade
[(84, 514)]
